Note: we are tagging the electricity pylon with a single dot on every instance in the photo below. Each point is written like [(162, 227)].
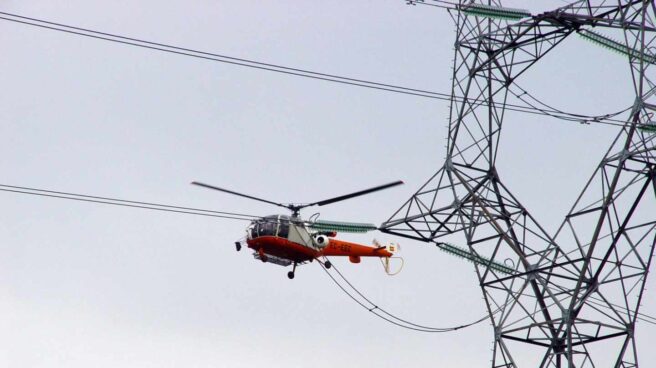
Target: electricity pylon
[(573, 296)]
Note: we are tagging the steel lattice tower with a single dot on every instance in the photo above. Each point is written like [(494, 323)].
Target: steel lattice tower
[(578, 289)]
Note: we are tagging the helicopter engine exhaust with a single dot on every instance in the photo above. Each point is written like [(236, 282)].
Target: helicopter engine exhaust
[(320, 241)]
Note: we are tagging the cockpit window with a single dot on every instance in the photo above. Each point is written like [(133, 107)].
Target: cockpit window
[(283, 229), (267, 228), (277, 225)]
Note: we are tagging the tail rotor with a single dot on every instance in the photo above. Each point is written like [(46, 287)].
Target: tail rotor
[(392, 248)]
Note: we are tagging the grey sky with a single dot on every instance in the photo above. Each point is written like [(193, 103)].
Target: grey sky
[(85, 284)]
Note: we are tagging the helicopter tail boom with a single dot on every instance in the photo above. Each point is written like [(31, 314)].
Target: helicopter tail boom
[(344, 248)]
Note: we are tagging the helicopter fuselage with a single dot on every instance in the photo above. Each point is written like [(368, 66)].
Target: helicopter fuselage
[(289, 239), (299, 253)]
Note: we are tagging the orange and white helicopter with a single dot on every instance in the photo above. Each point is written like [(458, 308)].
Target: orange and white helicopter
[(288, 240)]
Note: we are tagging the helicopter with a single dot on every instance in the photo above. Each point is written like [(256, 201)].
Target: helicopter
[(289, 240)]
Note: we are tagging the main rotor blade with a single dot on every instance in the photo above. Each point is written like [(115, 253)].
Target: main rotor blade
[(237, 194), (356, 194)]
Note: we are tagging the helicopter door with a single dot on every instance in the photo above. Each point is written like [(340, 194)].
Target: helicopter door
[(298, 234)]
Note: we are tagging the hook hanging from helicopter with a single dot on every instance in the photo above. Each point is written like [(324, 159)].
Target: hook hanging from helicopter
[(288, 240)]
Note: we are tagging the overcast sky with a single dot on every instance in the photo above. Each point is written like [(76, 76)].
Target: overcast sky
[(90, 285)]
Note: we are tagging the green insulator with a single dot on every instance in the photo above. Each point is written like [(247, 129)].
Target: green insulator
[(476, 259), (649, 127), (616, 46), (488, 11), (346, 227)]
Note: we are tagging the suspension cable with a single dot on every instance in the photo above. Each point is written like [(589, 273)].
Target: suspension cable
[(381, 313)]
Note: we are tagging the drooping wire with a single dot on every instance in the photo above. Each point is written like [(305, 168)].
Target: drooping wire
[(608, 119), (386, 316), (125, 203), (85, 32), (546, 109), (393, 319)]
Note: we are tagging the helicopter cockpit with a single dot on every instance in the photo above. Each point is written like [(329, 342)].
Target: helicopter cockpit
[(274, 225)]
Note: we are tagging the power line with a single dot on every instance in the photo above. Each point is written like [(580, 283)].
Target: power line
[(85, 32), (393, 319), (148, 205), (125, 203), (218, 57), (373, 308), (386, 316)]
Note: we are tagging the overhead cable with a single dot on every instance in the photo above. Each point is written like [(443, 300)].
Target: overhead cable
[(381, 313), (125, 203), (157, 46), (608, 119), (356, 295), (85, 32)]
